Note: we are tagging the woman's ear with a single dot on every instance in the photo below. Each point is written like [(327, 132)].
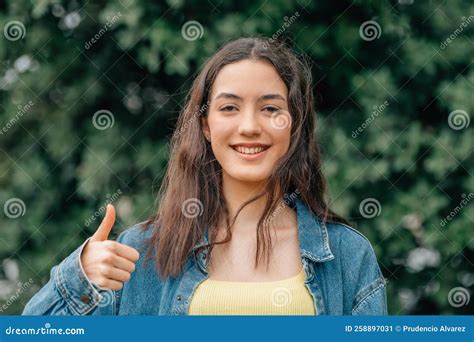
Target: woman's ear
[(205, 129)]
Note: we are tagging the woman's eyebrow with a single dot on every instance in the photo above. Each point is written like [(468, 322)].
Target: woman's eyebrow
[(272, 97), (228, 96), (261, 98)]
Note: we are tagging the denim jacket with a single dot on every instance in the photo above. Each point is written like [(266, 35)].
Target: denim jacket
[(341, 269)]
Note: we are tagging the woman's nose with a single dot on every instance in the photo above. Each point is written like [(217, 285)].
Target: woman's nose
[(249, 124)]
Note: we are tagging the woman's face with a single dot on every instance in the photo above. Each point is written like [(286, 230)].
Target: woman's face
[(248, 123)]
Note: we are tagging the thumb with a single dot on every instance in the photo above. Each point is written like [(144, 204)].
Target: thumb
[(102, 233)]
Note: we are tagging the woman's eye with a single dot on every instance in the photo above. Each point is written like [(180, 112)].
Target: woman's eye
[(271, 109), (228, 108)]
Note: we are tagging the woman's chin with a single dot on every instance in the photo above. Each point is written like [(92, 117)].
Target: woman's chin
[(249, 177)]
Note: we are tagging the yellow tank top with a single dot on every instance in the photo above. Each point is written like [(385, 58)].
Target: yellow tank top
[(282, 297)]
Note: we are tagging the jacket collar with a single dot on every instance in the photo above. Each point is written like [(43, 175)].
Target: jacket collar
[(312, 234)]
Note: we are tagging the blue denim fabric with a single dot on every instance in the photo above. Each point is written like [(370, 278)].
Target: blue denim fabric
[(341, 270)]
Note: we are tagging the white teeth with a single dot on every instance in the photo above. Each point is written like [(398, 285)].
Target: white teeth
[(247, 150)]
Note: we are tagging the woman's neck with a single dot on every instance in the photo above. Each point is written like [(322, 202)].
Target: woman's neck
[(236, 193)]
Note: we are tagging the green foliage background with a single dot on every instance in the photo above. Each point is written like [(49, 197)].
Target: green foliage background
[(408, 157)]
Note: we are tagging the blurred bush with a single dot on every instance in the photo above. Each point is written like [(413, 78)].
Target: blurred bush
[(90, 93)]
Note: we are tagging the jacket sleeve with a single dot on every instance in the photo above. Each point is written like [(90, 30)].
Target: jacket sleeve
[(371, 297), (70, 292)]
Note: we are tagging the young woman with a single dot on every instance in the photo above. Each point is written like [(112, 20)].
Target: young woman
[(243, 227)]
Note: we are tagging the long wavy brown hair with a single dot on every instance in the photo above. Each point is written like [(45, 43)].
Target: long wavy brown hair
[(190, 195)]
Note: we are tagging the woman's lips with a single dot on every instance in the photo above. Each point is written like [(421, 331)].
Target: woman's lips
[(252, 153)]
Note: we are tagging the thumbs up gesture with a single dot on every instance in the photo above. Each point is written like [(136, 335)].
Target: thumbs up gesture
[(108, 263)]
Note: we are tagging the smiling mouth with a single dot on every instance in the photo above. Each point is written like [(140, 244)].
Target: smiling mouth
[(250, 150)]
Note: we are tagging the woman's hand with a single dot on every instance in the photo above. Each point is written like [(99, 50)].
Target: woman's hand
[(108, 263)]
